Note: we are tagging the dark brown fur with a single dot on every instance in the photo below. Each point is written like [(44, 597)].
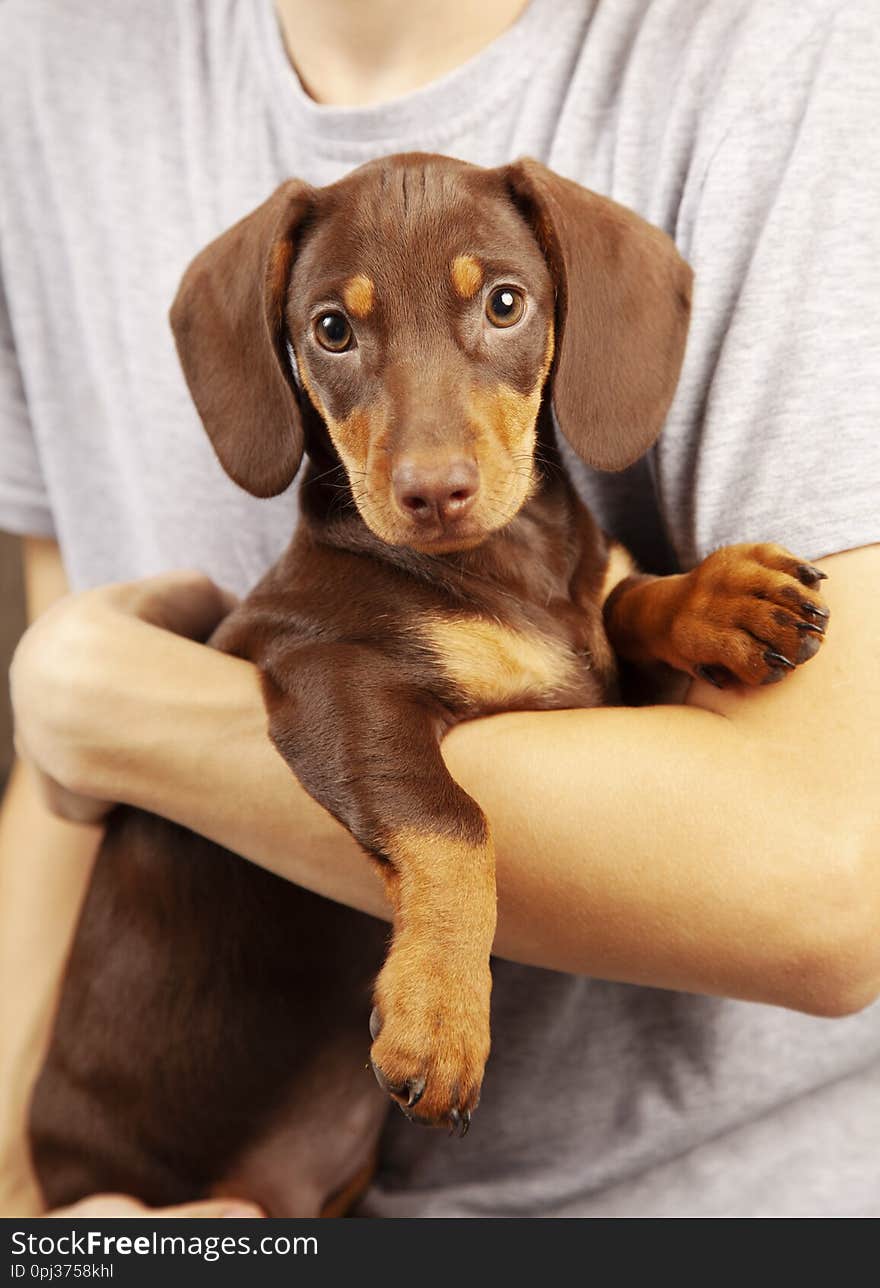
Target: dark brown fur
[(212, 1029)]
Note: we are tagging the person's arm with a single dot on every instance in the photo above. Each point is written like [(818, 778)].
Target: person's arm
[(45, 864), (727, 846)]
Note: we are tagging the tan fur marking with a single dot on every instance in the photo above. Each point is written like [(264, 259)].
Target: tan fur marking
[(440, 885), (359, 295), (415, 852), (307, 384), (351, 436), (509, 414), (620, 565), (506, 418), (278, 276), (433, 991), (467, 276), (359, 439), (548, 353), (493, 664)]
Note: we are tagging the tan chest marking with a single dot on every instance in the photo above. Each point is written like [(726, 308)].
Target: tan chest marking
[(620, 565), (493, 664)]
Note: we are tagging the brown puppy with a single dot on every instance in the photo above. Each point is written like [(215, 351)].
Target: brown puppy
[(404, 328)]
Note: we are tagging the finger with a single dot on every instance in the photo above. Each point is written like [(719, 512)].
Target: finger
[(185, 602), (231, 1208), (102, 1205), (60, 801), (68, 805), (118, 1205)]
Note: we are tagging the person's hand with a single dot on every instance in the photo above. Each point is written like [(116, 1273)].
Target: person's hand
[(98, 1206), (76, 667)]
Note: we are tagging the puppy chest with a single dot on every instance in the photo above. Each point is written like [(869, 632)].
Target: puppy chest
[(490, 666)]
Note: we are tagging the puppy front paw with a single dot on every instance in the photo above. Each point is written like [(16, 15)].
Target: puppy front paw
[(750, 613), (430, 1027)]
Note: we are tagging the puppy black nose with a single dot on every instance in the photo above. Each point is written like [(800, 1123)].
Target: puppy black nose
[(427, 492)]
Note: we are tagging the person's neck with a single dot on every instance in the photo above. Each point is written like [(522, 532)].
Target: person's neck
[(353, 53)]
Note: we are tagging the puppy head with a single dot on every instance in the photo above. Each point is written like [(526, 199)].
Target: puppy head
[(429, 305)]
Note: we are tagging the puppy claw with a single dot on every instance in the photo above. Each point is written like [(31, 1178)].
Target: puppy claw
[(416, 1091), (459, 1123), (777, 659), (810, 628), (809, 575), (709, 674), (812, 610), (375, 1023), (407, 1094)]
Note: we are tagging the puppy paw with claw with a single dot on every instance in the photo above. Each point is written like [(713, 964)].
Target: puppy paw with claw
[(749, 613), (431, 1039)]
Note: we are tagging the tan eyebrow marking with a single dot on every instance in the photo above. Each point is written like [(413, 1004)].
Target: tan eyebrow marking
[(467, 276), (359, 295)]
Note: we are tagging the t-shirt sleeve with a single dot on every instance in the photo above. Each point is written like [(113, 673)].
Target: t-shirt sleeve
[(24, 504), (775, 434)]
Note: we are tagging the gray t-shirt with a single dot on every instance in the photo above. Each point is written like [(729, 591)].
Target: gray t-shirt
[(131, 134)]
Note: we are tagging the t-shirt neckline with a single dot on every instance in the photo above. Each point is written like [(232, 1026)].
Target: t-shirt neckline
[(420, 119)]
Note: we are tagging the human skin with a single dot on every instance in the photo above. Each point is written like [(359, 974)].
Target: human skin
[(726, 846), (386, 48)]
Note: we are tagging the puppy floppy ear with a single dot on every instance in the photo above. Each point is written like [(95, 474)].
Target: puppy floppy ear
[(623, 304), (228, 322)]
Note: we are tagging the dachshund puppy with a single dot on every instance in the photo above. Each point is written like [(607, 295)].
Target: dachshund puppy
[(406, 330)]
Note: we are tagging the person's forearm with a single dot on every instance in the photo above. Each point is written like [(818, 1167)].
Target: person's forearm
[(653, 846), (44, 867), (673, 846), (669, 846), (664, 847)]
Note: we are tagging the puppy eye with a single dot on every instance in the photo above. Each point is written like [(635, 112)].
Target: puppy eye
[(333, 332), (505, 306)]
